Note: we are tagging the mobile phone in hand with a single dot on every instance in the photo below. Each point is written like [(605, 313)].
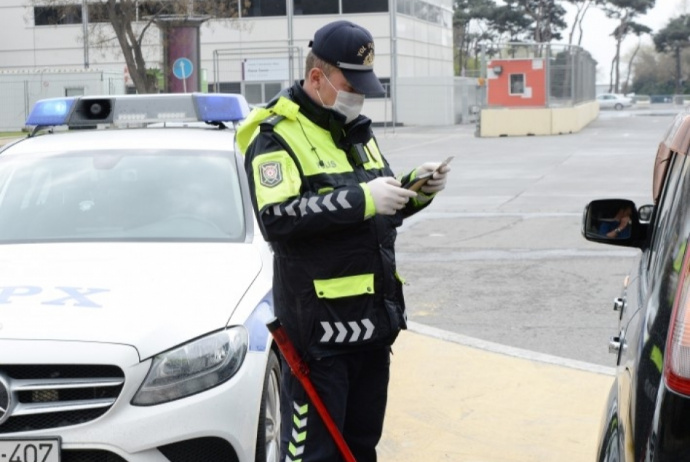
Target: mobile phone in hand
[(419, 181)]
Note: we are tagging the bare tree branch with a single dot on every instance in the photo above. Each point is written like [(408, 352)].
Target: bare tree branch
[(579, 40)]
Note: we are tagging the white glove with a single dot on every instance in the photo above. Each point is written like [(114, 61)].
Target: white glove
[(437, 182), (388, 195)]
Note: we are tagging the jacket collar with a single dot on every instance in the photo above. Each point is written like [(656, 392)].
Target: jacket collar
[(344, 136), (321, 116)]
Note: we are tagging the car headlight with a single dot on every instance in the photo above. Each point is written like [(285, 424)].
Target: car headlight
[(194, 367)]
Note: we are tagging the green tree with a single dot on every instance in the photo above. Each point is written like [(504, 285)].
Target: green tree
[(509, 23), (544, 18), (654, 72), (673, 38), (470, 28), (625, 12)]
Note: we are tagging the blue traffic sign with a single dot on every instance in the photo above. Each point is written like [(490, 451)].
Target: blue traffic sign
[(183, 68)]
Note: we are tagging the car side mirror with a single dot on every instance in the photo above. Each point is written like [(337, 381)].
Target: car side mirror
[(615, 222)]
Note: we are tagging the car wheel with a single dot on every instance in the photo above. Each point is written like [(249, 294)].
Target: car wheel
[(612, 449), (268, 435), (618, 106)]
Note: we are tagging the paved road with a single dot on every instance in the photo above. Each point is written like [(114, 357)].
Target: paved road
[(499, 255)]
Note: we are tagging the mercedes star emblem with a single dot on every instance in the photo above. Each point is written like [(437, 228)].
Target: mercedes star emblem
[(5, 400)]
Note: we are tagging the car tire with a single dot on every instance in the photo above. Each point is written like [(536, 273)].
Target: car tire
[(618, 107), (613, 449), (268, 433)]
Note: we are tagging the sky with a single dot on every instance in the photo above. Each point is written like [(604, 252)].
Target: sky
[(602, 46)]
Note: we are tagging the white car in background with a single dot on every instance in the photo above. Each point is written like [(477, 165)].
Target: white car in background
[(134, 287), (614, 101)]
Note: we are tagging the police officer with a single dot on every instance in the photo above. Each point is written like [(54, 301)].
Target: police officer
[(329, 204)]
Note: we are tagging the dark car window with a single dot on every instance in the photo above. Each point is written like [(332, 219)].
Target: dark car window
[(669, 201), (120, 195), (671, 247)]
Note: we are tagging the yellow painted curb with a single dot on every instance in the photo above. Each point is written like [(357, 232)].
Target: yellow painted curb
[(449, 402)]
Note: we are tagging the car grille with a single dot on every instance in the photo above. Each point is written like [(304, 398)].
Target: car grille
[(52, 396), (90, 456), (208, 449)]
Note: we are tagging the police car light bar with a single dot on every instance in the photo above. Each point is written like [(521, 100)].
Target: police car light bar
[(48, 112), (221, 107), (128, 109)]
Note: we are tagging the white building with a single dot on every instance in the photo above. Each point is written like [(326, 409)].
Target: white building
[(420, 31)]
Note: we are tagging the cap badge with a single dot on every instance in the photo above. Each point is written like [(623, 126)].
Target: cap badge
[(366, 52), (369, 58)]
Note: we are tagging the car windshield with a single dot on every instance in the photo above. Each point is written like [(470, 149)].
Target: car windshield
[(122, 195)]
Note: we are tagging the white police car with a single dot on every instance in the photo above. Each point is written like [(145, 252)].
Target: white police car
[(134, 287)]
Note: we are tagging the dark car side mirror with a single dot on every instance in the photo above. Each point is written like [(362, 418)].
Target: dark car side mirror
[(616, 222)]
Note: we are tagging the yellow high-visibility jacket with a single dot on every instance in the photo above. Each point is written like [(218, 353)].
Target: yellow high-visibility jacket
[(336, 287)]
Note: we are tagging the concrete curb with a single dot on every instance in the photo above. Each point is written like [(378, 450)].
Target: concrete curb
[(508, 350)]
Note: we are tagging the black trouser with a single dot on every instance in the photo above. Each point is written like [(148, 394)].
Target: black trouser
[(354, 389)]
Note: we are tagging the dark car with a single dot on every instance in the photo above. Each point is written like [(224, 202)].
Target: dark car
[(647, 417)]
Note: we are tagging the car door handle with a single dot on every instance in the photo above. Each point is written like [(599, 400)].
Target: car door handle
[(618, 304), (614, 345)]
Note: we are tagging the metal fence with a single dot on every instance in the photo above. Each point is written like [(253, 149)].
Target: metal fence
[(571, 76), (19, 96), (469, 97)]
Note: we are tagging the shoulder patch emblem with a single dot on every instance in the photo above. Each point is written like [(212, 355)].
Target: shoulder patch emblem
[(270, 174)]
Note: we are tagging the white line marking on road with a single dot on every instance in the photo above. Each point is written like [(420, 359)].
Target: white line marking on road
[(508, 350)]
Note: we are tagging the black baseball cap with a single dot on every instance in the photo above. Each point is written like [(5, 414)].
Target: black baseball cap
[(350, 48)]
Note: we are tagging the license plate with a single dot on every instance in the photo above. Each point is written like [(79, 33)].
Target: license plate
[(26, 450)]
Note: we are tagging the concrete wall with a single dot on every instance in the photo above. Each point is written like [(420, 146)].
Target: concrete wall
[(538, 121), (572, 120)]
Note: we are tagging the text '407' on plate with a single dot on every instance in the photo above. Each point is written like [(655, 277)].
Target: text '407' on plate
[(25, 450)]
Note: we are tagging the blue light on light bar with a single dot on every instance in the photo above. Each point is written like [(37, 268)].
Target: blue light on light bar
[(54, 111), (221, 107)]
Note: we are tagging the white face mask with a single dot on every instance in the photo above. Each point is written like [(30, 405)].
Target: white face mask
[(346, 103)]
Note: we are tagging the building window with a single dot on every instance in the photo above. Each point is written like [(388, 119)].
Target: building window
[(517, 84), (434, 15), (151, 8), (264, 8), (253, 93), (365, 6), (421, 10), (74, 91), (261, 92), (57, 15), (408, 7), (425, 11), (221, 9), (141, 11), (98, 12), (225, 87), (447, 18), (316, 7), (271, 89)]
